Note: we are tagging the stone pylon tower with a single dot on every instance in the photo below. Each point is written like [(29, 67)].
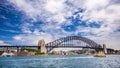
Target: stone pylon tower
[(41, 44), (104, 49)]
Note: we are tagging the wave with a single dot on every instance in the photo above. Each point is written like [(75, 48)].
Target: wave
[(46, 58)]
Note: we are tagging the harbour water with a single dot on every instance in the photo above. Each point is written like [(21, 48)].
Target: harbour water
[(60, 61)]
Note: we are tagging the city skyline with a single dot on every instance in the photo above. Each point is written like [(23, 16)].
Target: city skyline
[(27, 21)]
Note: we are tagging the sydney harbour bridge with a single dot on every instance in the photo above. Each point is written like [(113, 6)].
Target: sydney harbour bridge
[(65, 42)]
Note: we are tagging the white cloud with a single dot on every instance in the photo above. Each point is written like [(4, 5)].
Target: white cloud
[(32, 39), (18, 38), (3, 43), (95, 4), (111, 40), (42, 10), (109, 16), (25, 27), (54, 6), (104, 11)]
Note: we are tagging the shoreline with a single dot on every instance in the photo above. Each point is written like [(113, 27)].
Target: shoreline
[(55, 55)]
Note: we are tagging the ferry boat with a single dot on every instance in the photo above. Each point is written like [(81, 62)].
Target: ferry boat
[(5, 54), (100, 54)]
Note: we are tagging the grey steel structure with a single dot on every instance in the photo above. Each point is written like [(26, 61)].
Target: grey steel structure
[(61, 43), (58, 43)]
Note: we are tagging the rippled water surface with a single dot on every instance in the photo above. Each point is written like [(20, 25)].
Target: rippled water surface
[(60, 61)]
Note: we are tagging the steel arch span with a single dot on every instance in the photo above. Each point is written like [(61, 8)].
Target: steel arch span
[(59, 42)]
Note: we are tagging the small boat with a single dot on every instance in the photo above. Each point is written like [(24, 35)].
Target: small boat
[(100, 54), (7, 54)]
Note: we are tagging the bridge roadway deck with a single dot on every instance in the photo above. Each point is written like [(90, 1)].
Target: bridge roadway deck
[(46, 46), (35, 46)]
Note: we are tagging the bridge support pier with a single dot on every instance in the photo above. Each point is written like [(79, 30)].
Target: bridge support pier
[(104, 49), (42, 47), (18, 49)]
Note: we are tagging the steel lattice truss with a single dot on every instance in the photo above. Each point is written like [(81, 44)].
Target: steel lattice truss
[(58, 42)]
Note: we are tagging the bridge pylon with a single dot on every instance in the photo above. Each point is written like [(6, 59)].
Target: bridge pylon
[(41, 46), (104, 49)]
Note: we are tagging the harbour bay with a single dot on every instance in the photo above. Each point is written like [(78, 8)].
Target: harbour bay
[(60, 61)]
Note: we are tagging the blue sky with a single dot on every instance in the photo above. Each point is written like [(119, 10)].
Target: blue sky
[(27, 21)]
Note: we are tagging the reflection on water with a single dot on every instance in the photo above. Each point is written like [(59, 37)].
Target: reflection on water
[(60, 61)]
